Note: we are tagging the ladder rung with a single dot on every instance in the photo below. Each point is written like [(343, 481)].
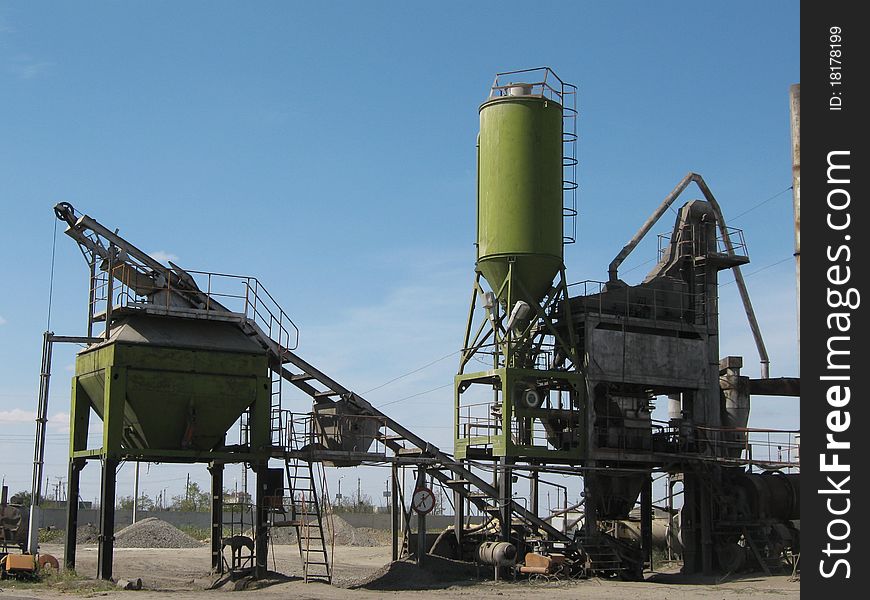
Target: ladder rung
[(286, 524)]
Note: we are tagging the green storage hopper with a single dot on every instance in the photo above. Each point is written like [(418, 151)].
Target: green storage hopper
[(520, 216), (171, 385)]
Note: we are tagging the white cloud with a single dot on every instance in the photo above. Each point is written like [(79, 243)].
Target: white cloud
[(16, 415), (27, 67), (163, 256), (59, 421), (2, 320)]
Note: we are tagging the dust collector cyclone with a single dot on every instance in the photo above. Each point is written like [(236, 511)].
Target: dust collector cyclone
[(520, 190)]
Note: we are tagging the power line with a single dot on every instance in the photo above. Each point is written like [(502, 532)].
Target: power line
[(763, 202), (440, 387), (417, 370), (757, 271), (730, 220)]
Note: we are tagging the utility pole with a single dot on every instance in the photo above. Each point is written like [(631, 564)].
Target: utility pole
[(795, 110), (358, 495)]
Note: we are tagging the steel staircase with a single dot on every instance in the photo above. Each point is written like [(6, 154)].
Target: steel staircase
[(308, 497), (403, 442)]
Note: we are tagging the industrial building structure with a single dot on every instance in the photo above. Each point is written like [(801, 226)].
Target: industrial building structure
[(553, 377)]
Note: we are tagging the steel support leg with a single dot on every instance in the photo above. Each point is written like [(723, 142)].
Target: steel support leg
[(217, 510), (261, 542), (458, 520), (646, 520), (706, 530), (106, 543), (505, 495), (533, 493), (72, 513), (394, 510), (421, 520)]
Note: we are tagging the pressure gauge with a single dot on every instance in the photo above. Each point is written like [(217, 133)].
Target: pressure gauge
[(423, 500)]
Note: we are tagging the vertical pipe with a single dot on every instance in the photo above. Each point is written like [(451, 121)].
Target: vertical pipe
[(72, 513), (795, 105), (106, 544), (39, 445)]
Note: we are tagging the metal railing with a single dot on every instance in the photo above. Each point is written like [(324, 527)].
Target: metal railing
[(543, 82), (219, 296), (764, 448), (690, 243), (666, 305), (300, 431)]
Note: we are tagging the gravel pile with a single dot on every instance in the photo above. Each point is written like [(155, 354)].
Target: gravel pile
[(279, 535), (345, 534), (154, 533), (348, 535), (87, 534), (438, 573)]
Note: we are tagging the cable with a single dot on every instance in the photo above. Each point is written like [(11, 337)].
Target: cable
[(779, 262), (417, 370), (731, 220), (749, 210), (415, 395)]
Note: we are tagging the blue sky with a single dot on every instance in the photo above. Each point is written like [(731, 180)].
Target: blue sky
[(328, 149)]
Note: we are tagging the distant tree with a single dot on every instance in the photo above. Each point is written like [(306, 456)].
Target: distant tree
[(193, 500), (440, 499), (22, 498), (145, 502), (239, 496), (354, 504)]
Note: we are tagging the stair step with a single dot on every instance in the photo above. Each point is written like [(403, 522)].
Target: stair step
[(408, 451), (301, 377), (452, 482), (325, 394)]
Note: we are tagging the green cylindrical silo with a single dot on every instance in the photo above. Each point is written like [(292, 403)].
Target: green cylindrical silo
[(520, 192)]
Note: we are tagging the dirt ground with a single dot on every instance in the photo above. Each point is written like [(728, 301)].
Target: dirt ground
[(184, 573)]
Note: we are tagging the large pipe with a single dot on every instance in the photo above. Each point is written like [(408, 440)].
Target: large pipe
[(500, 554), (613, 269)]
